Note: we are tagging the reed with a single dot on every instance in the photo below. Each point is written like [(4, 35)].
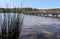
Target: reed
[(11, 25)]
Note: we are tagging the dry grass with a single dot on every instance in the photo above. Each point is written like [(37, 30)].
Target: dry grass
[(11, 26)]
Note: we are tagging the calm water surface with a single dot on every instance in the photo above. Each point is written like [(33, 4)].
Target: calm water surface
[(36, 27)]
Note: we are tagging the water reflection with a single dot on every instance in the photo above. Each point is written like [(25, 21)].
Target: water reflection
[(35, 27)]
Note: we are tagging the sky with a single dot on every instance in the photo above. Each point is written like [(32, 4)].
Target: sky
[(40, 4)]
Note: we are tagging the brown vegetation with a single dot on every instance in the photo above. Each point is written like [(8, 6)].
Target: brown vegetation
[(29, 10)]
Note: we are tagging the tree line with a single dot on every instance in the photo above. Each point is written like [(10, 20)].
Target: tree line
[(19, 10), (16, 10)]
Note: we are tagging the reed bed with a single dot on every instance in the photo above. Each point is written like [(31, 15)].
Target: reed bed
[(11, 24)]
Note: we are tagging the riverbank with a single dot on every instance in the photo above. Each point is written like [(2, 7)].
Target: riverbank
[(52, 17)]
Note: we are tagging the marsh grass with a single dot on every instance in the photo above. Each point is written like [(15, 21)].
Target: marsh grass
[(11, 24)]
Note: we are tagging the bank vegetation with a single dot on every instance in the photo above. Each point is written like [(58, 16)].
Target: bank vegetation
[(27, 10)]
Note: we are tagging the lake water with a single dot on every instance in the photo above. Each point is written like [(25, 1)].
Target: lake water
[(37, 27)]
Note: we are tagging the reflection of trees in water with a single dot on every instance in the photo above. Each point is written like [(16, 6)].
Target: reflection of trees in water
[(35, 36), (38, 35), (10, 25)]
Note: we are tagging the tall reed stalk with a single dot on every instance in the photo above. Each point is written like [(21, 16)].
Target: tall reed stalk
[(11, 25)]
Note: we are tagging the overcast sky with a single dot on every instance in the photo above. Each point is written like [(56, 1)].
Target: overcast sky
[(31, 3)]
